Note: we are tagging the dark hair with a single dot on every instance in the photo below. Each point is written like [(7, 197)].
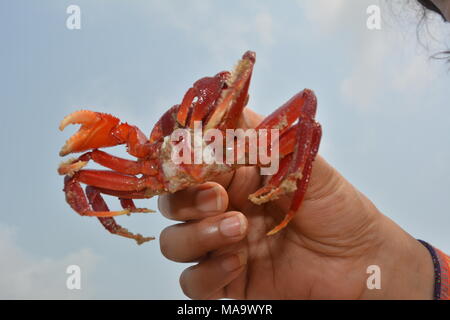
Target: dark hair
[(428, 4), (431, 6)]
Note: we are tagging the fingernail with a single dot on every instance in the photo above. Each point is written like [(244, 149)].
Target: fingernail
[(208, 200), (233, 262), (233, 226)]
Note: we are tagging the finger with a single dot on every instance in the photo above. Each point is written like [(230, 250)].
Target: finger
[(197, 202), (187, 242), (208, 278)]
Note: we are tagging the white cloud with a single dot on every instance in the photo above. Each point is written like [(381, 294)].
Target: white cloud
[(25, 276), (379, 53), (389, 64), (366, 77), (264, 28), (325, 13), (203, 23), (417, 75)]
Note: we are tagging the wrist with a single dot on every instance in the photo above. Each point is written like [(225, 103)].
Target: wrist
[(407, 270)]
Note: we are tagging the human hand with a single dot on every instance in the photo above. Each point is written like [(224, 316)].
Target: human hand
[(323, 253)]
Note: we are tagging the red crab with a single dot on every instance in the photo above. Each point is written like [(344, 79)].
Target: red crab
[(216, 101)]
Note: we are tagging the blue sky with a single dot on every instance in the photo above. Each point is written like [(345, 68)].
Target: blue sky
[(383, 104)]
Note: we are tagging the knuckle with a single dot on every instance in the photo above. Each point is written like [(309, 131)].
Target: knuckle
[(164, 204), (179, 242), (184, 283), (165, 244), (185, 242)]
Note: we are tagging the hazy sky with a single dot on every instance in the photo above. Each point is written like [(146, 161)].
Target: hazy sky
[(383, 104)]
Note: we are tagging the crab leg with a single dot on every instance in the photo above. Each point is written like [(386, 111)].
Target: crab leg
[(97, 203), (209, 90), (109, 161), (309, 152), (287, 141), (206, 90), (164, 126), (299, 145), (235, 111), (128, 204), (76, 198), (185, 106), (301, 105), (284, 181), (142, 194), (116, 181), (234, 98), (272, 190), (103, 130)]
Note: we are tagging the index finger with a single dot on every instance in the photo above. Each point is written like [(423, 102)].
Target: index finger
[(195, 202)]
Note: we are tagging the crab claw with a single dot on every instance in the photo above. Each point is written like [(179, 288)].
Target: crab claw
[(233, 99), (70, 167), (95, 131)]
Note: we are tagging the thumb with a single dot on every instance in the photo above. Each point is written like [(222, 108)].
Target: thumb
[(333, 209), (324, 181)]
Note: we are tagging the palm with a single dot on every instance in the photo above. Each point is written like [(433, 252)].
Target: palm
[(323, 253), (313, 256)]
